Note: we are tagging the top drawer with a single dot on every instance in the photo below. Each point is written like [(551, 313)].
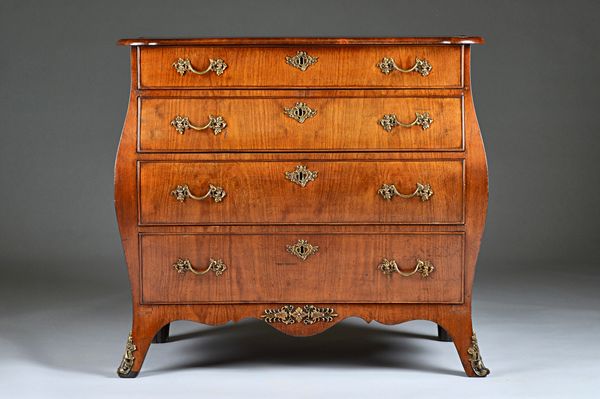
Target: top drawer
[(257, 67)]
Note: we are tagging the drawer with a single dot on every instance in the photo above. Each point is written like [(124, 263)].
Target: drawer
[(261, 268), (351, 66), (289, 192), (263, 124)]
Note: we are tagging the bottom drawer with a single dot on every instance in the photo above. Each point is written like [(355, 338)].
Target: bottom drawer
[(281, 268)]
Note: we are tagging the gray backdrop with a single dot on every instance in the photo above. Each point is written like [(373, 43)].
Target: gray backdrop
[(64, 89)]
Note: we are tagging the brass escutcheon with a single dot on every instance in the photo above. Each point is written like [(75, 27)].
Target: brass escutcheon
[(301, 60), (301, 176), (300, 112), (302, 249)]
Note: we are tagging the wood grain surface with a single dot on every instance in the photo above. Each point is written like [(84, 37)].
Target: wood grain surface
[(342, 192), (340, 124), (260, 269), (301, 41), (267, 67)]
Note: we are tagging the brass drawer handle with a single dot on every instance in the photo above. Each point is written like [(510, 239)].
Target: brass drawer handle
[(301, 60), (300, 112), (182, 192), (182, 123), (389, 121), (184, 265), (183, 65), (390, 266), (423, 191), (301, 176), (422, 66), (302, 249)]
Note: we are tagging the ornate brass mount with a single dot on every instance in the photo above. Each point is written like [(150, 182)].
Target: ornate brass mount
[(475, 358), (290, 314), (182, 192), (423, 191), (388, 122), (390, 266), (301, 60), (184, 265), (300, 112), (422, 66), (126, 365), (183, 65), (302, 249), (301, 176), (182, 123)]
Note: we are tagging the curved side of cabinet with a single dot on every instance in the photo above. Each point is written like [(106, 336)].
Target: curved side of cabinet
[(125, 185), (476, 183)]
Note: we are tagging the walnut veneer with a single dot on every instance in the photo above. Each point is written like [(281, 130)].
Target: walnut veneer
[(301, 181)]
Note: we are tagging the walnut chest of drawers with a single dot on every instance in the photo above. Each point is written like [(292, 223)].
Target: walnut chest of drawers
[(301, 182)]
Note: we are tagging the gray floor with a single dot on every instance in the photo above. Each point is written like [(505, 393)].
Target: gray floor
[(539, 334)]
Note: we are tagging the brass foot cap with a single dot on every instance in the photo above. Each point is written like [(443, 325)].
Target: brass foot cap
[(131, 374)]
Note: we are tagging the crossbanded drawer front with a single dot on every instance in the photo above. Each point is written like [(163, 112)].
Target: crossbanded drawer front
[(300, 124), (349, 66), (342, 268), (289, 192)]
